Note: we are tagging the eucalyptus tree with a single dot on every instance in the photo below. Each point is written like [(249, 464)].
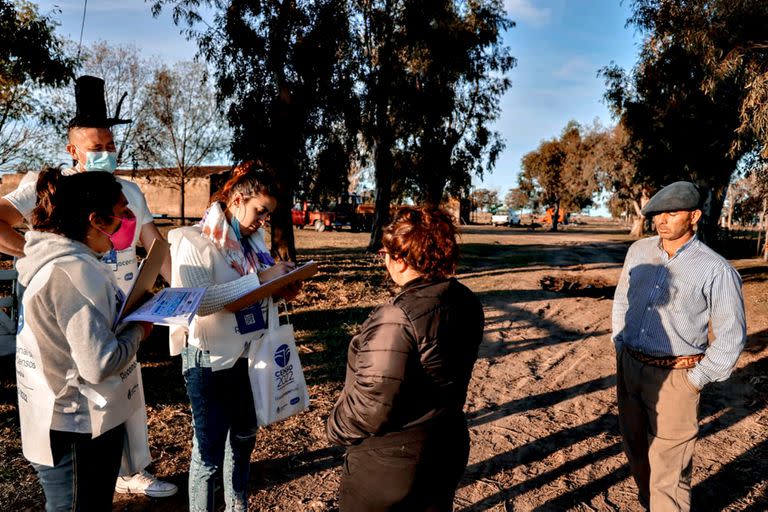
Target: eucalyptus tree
[(562, 172), (434, 72), (285, 72), (31, 56), (683, 119)]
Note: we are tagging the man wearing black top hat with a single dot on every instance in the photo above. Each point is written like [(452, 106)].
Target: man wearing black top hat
[(673, 289), (92, 147)]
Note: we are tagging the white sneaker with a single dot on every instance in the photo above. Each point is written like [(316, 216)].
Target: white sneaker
[(145, 483)]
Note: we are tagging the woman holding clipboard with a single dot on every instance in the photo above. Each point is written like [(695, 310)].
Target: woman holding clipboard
[(227, 255)]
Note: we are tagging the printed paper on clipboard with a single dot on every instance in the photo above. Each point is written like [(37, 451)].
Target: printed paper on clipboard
[(145, 280), (170, 306)]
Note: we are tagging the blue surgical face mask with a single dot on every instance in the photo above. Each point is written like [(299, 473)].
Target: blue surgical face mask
[(105, 161), (236, 227)]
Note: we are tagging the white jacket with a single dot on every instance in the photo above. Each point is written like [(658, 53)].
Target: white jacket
[(74, 373), (197, 263)]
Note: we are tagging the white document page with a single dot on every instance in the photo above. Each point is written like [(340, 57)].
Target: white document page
[(170, 306)]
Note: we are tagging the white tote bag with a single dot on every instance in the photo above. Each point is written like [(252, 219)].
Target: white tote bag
[(277, 380)]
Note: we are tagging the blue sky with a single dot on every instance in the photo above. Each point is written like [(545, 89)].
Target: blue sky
[(559, 44)]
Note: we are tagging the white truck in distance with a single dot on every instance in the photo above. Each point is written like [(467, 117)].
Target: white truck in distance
[(505, 219)]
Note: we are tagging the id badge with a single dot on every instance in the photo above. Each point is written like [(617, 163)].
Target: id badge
[(250, 319), (111, 259)]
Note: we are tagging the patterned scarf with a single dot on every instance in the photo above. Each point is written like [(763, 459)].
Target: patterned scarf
[(246, 256)]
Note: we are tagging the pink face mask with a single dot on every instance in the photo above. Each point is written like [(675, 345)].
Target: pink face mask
[(122, 238)]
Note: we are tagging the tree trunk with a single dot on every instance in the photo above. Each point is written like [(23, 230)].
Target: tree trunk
[(638, 222), (380, 85), (182, 199), (283, 243), (555, 217), (384, 172), (764, 228), (729, 196), (436, 165), (434, 193), (713, 205)]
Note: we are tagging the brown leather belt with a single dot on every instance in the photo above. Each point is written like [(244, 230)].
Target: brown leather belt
[(671, 362)]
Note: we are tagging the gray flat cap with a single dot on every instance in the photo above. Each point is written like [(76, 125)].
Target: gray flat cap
[(680, 195)]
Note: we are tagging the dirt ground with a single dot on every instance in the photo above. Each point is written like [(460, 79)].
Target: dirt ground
[(541, 404)]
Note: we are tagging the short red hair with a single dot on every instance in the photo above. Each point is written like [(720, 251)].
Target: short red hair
[(425, 237), (249, 179)]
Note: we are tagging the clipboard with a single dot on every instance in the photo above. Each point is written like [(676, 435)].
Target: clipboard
[(300, 273), (145, 280), (268, 288)]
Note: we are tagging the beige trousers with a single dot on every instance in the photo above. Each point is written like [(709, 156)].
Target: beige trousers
[(658, 418)]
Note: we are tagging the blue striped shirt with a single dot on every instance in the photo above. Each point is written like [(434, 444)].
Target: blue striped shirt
[(664, 306)]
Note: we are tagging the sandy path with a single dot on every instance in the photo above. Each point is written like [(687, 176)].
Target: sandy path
[(542, 402)]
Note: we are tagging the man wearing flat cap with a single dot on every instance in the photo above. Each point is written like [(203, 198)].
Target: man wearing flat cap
[(92, 147), (671, 289)]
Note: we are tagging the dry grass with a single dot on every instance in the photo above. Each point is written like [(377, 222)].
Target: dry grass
[(293, 466)]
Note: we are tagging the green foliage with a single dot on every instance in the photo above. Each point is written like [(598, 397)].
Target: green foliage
[(318, 89), (484, 199), (285, 75), (517, 199), (682, 119), (562, 172), (29, 50), (454, 66), (30, 56), (731, 37)]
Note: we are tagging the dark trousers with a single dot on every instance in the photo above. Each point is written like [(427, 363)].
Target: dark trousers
[(414, 471), (84, 471)]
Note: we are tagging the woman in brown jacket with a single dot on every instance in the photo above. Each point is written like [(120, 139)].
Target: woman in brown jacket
[(400, 413)]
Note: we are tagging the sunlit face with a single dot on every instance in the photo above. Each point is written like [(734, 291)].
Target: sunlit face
[(83, 140), (677, 224), (252, 212)]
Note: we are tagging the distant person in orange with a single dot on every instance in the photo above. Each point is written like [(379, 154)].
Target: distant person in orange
[(672, 290), (400, 414)]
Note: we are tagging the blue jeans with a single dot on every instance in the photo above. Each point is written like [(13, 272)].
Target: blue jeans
[(84, 471), (224, 421)]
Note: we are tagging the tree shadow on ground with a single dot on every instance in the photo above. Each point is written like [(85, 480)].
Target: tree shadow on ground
[(716, 492), (552, 332), (756, 274), (290, 467), (540, 401), (538, 450), (544, 231), (332, 329), (480, 256)]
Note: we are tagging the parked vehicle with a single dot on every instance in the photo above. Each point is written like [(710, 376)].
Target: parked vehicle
[(499, 219), (509, 218), (347, 210), (307, 214), (352, 212)]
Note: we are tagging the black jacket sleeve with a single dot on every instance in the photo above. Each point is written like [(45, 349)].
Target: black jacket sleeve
[(376, 368)]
